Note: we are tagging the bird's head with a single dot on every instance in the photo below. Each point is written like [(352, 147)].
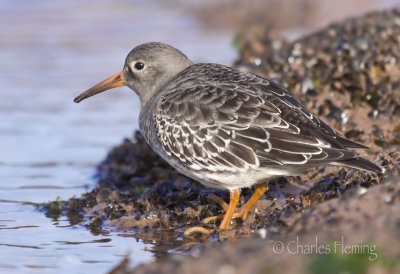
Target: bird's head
[(147, 68)]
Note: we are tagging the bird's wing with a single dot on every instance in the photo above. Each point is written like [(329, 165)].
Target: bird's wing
[(237, 125)]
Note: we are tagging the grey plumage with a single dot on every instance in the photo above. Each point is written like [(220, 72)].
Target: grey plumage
[(217, 119), (227, 128)]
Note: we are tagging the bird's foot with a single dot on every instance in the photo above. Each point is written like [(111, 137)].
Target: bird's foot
[(239, 214), (198, 232), (224, 205), (212, 198)]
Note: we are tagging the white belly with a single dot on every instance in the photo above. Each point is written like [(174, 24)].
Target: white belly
[(231, 181)]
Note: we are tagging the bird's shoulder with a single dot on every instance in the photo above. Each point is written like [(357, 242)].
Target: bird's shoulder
[(211, 91)]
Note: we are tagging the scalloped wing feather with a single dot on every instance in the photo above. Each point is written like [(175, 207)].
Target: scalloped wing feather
[(242, 122)]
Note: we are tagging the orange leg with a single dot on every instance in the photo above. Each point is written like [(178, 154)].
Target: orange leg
[(233, 201), (260, 189)]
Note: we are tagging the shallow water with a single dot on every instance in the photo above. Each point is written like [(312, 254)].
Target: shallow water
[(50, 51)]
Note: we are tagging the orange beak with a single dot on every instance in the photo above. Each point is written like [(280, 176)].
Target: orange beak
[(116, 80)]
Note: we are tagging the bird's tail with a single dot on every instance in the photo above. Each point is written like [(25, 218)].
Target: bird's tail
[(361, 163)]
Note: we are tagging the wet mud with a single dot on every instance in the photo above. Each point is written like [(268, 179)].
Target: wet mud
[(347, 73)]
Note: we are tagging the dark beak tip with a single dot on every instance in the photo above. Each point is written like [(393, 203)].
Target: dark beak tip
[(113, 81)]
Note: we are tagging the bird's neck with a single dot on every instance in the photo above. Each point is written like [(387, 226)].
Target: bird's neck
[(162, 80)]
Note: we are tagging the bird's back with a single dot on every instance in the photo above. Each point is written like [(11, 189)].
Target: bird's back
[(213, 118)]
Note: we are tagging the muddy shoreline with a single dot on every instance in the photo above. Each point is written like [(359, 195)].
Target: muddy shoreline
[(348, 74)]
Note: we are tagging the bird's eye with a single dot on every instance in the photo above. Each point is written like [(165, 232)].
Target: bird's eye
[(139, 66)]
